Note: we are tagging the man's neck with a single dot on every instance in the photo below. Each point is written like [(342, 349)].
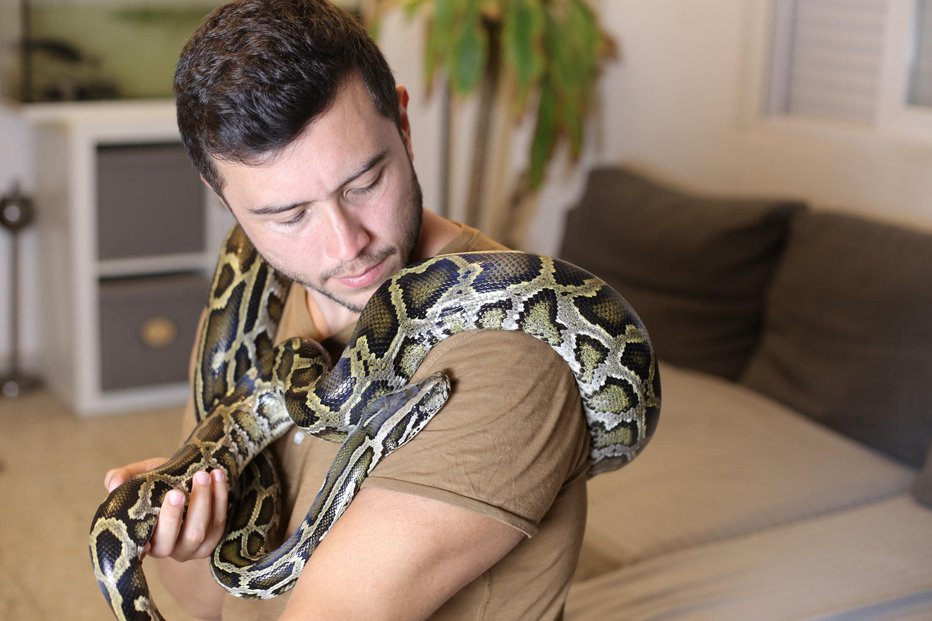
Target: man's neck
[(327, 316), (331, 318)]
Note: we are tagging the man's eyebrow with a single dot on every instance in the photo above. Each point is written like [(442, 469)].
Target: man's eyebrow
[(366, 166)]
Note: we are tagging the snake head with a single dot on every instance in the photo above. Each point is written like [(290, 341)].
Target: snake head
[(398, 416)]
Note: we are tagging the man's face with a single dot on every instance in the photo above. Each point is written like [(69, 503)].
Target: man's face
[(339, 209)]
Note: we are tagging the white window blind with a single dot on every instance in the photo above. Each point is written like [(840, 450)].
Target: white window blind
[(827, 58), (920, 84)]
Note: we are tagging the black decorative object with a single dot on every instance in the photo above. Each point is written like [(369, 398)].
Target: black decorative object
[(16, 213)]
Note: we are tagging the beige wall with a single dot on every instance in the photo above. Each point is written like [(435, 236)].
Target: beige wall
[(681, 103), (678, 103)]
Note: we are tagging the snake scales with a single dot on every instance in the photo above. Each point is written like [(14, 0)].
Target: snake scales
[(249, 392)]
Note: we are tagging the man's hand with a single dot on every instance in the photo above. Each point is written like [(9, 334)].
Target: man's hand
[(191, 538), (179, 536)]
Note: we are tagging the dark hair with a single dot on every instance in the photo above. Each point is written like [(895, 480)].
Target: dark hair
[(256, 72)]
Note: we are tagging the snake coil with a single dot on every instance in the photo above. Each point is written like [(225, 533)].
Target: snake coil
[(249, 392)]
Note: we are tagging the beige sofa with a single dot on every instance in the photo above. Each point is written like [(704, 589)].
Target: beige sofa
[(788, 477)]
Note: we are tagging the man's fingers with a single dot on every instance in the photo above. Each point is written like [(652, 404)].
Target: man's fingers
[(219, 507), (182, 535), (206, 509), (113, 479), (117, 476), (168, 525)]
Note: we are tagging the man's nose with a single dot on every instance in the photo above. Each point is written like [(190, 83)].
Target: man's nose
[(346, 238)]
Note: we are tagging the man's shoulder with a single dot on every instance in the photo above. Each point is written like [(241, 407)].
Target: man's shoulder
[(471, 239), (510, 437), (500, 377)]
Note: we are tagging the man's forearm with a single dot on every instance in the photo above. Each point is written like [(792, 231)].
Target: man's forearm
[(193, 586)]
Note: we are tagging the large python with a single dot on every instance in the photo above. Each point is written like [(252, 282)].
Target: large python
[(249, 392)]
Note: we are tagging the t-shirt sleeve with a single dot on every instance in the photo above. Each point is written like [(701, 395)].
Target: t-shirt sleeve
[(510, 436)]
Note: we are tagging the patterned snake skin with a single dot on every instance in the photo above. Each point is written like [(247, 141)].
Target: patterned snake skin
[(249, 393)]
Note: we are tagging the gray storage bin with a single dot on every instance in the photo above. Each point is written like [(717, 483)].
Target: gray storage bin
[(150, 202), (147, 329)]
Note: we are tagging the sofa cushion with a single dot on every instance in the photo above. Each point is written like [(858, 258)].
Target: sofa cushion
[(922, 486), (848, 337), (694, 267), (726, 461), (871, 562)]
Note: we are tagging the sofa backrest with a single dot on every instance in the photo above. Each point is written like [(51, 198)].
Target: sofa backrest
[(847, 334), (828, 313), (696, 268)]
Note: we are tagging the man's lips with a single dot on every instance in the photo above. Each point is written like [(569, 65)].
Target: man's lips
[(363, 279)]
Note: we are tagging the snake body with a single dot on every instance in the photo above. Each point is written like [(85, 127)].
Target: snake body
[(249, 392)]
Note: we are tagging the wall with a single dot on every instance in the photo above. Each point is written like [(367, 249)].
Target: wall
[(678, 103)]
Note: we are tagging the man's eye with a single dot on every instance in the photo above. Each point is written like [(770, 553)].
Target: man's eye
[(368, 187), (296, 218)]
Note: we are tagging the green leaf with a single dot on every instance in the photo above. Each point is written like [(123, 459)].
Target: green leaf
[(440, 24), (587, 38), (431, 54), (555, 47), (574, 42), (445, 13), (410, 7), (522, 40), (544, 135), (573, 116), (468, 50)]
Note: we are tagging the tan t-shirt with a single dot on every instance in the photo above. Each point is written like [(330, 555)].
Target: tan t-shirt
[(510, 443)]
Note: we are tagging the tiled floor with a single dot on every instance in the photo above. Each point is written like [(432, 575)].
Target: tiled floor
[(51, 481)]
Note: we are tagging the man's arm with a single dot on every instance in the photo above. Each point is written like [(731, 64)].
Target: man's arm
[(390, 556), (503, 445), (397, 556)]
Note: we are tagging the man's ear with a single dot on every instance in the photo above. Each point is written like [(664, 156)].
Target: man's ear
[(405, 127)]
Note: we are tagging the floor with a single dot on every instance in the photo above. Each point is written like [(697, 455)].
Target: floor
[(52, 466)]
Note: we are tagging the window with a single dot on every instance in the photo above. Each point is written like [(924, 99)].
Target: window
[(920, 71), (861, 64), (827, 58)]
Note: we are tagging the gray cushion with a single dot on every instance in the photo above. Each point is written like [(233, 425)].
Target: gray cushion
[(695, 268), (727, 461), (922, 487), (870, 562), (848, 332)]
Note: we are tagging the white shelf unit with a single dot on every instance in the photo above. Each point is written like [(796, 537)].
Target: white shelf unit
[(68, 141)]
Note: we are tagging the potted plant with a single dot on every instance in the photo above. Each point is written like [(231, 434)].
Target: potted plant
[(547, 54)]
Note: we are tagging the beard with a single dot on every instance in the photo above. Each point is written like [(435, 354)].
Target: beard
[(410, 231)]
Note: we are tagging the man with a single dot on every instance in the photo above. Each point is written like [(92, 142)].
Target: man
[(291, 115)]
